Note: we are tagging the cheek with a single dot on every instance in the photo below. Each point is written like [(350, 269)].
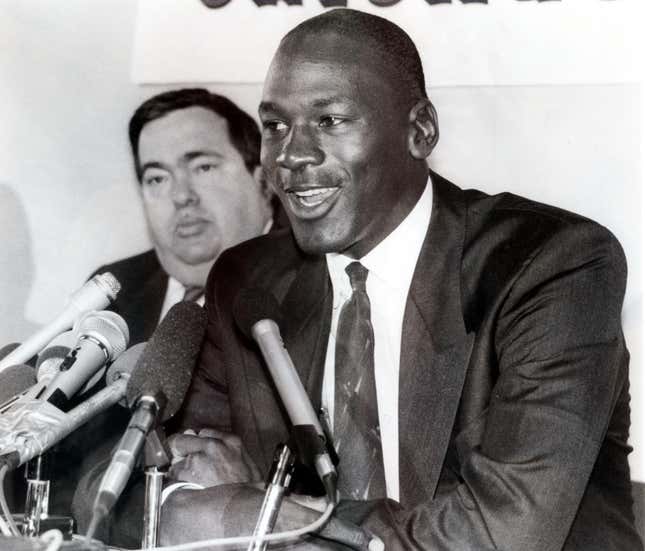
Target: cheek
[(232, 210), (268, 154), (159, 217)]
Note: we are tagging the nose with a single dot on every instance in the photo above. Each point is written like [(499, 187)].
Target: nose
[(183, 192), (300, 149)]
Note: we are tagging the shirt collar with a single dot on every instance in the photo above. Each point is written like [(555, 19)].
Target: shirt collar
[(175, 288)]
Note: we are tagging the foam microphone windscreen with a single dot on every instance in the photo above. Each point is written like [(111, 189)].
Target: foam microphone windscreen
[(8, 349), (168, 360), (56, 352), (16, 379), (252, 305), (52, 356)]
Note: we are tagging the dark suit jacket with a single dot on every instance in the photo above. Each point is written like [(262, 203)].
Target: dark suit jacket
[(143, 288), (514, 403)]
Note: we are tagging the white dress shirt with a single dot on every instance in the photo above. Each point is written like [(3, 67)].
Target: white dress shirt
[(391, 268)]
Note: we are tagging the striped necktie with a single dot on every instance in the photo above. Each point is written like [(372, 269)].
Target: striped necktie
[(356, 427)]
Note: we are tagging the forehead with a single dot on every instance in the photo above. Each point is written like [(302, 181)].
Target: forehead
[(189, 129), (317, 68)]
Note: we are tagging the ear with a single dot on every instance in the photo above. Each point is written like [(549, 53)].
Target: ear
[(424, 129)]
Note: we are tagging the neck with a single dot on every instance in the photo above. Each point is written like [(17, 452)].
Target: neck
[(386, 222)]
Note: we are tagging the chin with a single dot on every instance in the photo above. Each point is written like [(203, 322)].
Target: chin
[(317, 245), (195, 257)]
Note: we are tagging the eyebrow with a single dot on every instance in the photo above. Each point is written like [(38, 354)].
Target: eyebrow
[(267, 106), (188, 156), (317, 104), (152, 164), (326, 102)]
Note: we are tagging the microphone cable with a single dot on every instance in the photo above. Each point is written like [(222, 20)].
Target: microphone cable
[(245, 540)]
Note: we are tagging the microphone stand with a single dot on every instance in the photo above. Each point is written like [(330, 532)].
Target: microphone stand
[(278, 481), (36, 519), (37, 500), (156, 460)]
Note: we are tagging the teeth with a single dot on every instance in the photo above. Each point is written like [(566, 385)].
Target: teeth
[(312, 192), (313, 197)]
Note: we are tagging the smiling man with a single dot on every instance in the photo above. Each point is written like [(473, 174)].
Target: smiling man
[(465, 350)]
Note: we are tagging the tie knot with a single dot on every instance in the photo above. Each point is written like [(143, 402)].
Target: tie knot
[(357, 275), (191, 294)]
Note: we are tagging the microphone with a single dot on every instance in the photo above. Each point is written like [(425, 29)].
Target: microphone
[(257, 314), (96, 294), (102, 337), (125, 364), (50, 359), (47, 365), (14, 381), (155, 392), (8, 349), (31, 435)]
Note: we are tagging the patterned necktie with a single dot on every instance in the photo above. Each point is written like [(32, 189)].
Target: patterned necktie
[(191, 294), (356, 426)]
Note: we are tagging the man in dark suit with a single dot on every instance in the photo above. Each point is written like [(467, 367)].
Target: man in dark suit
[(196, 156), (197, 159), (488, 327)]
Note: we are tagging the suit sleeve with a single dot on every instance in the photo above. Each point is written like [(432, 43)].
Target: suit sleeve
[(560, 359), (206, 405)]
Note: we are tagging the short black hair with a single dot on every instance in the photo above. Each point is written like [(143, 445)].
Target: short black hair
[(242, 129), (388, 41)]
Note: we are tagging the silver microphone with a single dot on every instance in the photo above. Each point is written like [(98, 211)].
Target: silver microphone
[(96, 294)]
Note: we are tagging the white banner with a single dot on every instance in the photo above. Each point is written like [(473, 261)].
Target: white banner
[(462, 42)]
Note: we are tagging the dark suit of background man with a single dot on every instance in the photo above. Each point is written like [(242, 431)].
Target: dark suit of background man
[(197, 158), (500, 366)]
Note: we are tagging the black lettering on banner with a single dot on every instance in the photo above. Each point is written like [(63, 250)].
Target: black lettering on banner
[(215, 3), (343, 3), (432, 2), (261, 3)]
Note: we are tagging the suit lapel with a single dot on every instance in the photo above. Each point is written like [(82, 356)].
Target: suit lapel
[(434, 351), (309, 303), (142, 298), (306, 298)]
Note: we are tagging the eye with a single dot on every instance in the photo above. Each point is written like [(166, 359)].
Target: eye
[(154, 180), (274, 125), (205, 167), (330, 120)]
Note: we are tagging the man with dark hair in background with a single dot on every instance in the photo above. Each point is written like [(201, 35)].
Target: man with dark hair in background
[(196, 156), (466, 349)]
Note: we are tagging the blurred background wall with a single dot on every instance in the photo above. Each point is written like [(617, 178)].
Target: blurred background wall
[(71, 74)]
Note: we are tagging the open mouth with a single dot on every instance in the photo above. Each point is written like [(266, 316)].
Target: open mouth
[(312, 197)]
